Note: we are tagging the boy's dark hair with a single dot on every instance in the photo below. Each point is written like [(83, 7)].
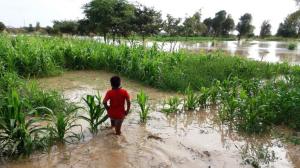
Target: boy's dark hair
[(115, 82)]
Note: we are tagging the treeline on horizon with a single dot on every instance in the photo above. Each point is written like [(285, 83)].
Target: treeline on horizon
[(119, 18)]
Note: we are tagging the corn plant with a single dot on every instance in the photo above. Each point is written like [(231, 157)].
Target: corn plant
[(214, 92), (190, 102), (142, 100), (96, 113), (172, 104), (203, 98), (19, 133), (61, 123)]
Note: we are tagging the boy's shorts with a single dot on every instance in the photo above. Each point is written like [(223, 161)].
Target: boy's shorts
[(116, 122)]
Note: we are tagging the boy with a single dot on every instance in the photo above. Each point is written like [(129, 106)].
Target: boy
[(116, 110)]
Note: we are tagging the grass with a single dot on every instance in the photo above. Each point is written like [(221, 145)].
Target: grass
[(96, 112), (142, 100)]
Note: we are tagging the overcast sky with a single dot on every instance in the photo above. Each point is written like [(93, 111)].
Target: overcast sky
[(23, 12)]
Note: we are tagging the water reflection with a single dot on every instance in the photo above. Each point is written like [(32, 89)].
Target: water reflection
[(268, 51), (271, 51)]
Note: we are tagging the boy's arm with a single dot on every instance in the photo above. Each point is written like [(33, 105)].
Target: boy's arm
[(128, 105), (105, 105), (106, 98)]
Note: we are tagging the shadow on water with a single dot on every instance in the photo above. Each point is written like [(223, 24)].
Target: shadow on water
[(190, 139)]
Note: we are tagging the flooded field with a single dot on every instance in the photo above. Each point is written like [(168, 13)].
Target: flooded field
[(269, 51), (190, 139)]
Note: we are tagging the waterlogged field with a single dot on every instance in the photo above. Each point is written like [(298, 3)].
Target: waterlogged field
[(267, 51), (191, 139), (216, 110)]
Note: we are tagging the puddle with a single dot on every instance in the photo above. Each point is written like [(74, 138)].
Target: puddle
[(191, 139)]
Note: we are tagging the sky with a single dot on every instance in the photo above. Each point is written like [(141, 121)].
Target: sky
[(17, 13)]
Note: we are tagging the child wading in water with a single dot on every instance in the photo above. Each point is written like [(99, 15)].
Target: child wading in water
[(116, 108)]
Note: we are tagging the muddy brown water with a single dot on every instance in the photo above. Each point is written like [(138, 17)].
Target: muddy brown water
[(190, 139)]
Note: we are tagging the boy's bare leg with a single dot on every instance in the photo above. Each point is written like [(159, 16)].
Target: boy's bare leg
[(113, 123), (118, 126)]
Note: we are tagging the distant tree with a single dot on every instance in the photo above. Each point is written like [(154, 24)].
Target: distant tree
[(209, 28), (122, 19), (2, 27), (84, 27), (286, 29), (147, 21), (192, 26), (244, 27), (100, 15), (227, 26), (221, 25), (30, 28), (113, 17), (218, 21), (291, 26), (49, 30), (37, 26), (66, 26), (171, 25), (265, 29)]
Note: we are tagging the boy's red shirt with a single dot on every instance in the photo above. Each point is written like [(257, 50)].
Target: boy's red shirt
[(116, 98)]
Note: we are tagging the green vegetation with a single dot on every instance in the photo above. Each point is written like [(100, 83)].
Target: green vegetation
[(42, 56), (2, 27), (190, 101), (252, 96), (292, 46), (171, 105), (245, 27), (96, 112), (265, 30), (142, 100), (18, 135), (254, 106), (290, 26), (61, 123)]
